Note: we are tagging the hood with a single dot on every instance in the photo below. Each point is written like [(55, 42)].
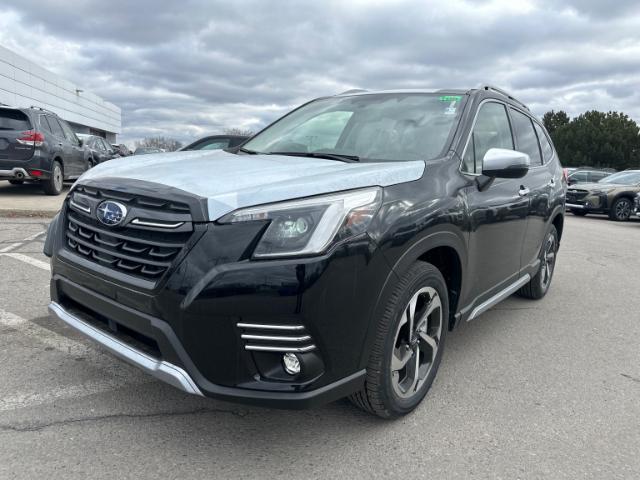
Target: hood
[(230, 181), (594, 186)]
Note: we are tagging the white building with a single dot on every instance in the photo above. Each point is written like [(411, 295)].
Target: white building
[(23, 84)]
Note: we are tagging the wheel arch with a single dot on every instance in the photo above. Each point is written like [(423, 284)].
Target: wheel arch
[(446, 250)]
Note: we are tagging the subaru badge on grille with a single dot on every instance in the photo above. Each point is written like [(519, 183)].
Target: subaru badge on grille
[(111, 213)]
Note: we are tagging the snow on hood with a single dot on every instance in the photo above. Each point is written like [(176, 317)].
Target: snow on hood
[(230, 181)]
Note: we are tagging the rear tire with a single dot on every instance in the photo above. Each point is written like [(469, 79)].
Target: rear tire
[(53, 184), (621, 210), (409, 343), (579, 213), (16, 182), (539, 285)]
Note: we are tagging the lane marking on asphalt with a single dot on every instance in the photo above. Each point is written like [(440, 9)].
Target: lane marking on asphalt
[(115, 373), (20, 243), (31, 399), (30, 260)]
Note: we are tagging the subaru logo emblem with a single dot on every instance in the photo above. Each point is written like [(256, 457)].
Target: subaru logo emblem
[(111, 213)]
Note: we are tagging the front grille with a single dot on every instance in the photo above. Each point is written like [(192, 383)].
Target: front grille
[(576, 195), (275, 338), (145, 247)]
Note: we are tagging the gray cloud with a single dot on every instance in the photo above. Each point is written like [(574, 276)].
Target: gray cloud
[(186, 69)]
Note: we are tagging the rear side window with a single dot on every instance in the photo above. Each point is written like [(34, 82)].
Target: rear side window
[(545, 145), (491, 130), (56, 129), (526, 138), (69, 133), (44, 124), (13, 120)]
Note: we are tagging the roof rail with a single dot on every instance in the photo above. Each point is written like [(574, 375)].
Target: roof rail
[(35, 107), (506, 94), (353, 90)]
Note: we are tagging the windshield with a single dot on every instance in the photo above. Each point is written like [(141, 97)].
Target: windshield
[(626, 178), (383, 127)]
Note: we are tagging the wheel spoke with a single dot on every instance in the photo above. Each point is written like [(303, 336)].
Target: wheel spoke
[(400, 357), (414, 374), (431, 342)]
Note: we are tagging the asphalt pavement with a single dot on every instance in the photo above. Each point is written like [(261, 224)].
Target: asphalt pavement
[(546, 389), (28, 200)]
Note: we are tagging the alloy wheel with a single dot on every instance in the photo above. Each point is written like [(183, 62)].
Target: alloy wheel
[(416, 342), (57, 177), (548, 261), (623, 209)]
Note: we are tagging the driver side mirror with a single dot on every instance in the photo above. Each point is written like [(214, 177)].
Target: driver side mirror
[(504, 163)]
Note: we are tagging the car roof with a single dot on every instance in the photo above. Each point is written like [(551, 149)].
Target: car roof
[(484, 89)]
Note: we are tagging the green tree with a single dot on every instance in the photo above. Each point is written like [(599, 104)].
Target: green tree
[(596, 139), (553, 120)]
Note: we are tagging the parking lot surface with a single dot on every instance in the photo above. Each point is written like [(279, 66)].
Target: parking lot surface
[(28, 199), (547, 389)]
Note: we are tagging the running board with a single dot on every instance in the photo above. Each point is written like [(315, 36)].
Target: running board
[(500, 296)]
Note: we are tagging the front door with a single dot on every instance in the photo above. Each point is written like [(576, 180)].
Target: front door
[(497, 211)]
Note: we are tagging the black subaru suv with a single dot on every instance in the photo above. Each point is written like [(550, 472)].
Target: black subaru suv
[(38, 146), (329, 256)]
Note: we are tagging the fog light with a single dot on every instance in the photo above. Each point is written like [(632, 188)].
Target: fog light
[(291, 363)]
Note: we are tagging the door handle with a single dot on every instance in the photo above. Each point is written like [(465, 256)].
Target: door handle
[(524, 191), (552, 183)]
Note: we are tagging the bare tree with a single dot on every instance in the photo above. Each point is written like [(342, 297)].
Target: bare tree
[(163, 143), (245, 132)]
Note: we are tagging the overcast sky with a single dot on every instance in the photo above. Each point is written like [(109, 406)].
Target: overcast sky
[(188, 68)]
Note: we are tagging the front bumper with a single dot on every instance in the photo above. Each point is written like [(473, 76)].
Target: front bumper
[(165, 371), (198, 327)]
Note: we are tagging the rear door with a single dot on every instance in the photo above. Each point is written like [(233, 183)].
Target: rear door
[(77, 151), (62, 145), (13, 124), (538, 183), (498, 212)]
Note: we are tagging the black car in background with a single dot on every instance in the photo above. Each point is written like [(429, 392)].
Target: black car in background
[(329, 256), (216, 142), (99, 149), (38, 146), (588, 175)]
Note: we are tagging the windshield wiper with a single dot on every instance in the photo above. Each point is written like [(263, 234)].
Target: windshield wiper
[(330, 156), (250, 152)]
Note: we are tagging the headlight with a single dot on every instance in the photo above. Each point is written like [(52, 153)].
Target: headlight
[(310, 226)]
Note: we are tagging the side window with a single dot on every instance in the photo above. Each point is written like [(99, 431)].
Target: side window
[(526, 139), (491, 130), (69, 133), (213, 145), (545, 145), (106, 145), (98, 144), (56, 129), (44, 125), (578, 177)]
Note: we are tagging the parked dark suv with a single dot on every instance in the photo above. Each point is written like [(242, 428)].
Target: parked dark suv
[(327, 257), (99, 149), (36, 145)]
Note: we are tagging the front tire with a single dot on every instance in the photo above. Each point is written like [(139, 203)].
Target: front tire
[(53, 184), (621, 210), (539, 285), (408, 346)]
